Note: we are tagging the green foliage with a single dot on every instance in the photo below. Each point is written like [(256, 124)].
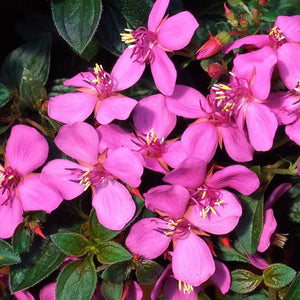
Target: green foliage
[(148, 271), (117, 272), (4, 95), (294, 290), (7, 254), (244, 281), (110, 253), (111, 291), (21, 239)]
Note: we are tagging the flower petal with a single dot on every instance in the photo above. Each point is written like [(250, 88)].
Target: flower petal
[(126, 71), (117, 107), (170, 199), (26, 149), (80, 80), (277, 193), (221, 277), (174, 154), (48, 292), (80, 141), (35, 195), (177, 31), (237, 177), (145, 239), (135, 292), (293, 131), (71, 107), (192, 260), (157, 13), (257, 261), (290, 26), (113, 204), (163, 71)]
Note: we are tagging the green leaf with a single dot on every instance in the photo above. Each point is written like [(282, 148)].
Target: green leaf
[(111, 291), (21, 239), (278, 275), (117, 273), (255, 295), (43, 258), (251, 222), (76, 21), (77, 281), (110, 253), (244, 281), (294, 290), (98, 231), (4, 95), (32, 91), (230, 254), (294, 211), (70, 243), (7, 254), (148, 271), (34, 56)]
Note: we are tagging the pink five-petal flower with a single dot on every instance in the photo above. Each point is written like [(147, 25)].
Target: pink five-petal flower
[(96, 90), (20, 189), (211, 204), (148, 45), (150, 237), (112, 201)]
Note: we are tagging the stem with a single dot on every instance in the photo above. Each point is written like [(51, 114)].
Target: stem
[(272, 294), (36, 125), (280, 171)]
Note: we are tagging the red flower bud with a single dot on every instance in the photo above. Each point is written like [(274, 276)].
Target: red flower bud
[(210, 48), (215, 70)]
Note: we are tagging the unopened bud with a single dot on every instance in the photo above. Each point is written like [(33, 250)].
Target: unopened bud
[(263, 2), (223, 37), (215, 70), (243, 22)]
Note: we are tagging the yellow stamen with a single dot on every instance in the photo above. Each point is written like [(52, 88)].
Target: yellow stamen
[(213, 210), (224, 87)]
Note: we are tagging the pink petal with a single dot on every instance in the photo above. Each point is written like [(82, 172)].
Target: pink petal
[(269, 228), (145, 239), (260, 63), (153, 113), (80, 141), (289, 64), (170, 199), (200, 140), (237, 144), (26, 149), (135, 292), (124, 164), (126, 71), (117, 107), (81, 80), (174, 154), (153, 164), (177, 31), (290, 26), (221, 277), (237, 177), (171, 291), (48, 292), (277, 193), (157, 13), (257, 261), (226, 218), (159, 283), (71, 107), (260, 119), (257, 40), (293, 131), (35, 195), (192, 260), (24, 295), (60, 175), (10, 216), (113, 204), (185, 102), (190, 173), (163, 71)]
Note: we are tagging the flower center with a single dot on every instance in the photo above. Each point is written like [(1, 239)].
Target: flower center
[(9, 180), (206, 199), (185, 287), (276, 36), (176, 228), (142, 41), (88, 178), (103, 82)]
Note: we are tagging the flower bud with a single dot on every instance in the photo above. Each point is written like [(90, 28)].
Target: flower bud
[(215, 70)]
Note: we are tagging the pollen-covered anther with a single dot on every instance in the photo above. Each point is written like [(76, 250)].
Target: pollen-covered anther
[(277, 34), (279, 239), (297, 87), (9, 179), (184, 287)]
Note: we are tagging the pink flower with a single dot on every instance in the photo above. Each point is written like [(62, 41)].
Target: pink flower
[(192, 260), (97, 91), (112, 201), (148, 45), (20, 189), (213, 209)]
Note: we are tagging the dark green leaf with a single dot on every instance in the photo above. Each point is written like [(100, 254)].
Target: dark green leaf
[(32, 91), (255, 295), (278, 275), (244, 281), (77, 281), (58, 88), (111, 291), (251, 222), (76, 21), (110, 253), (294, 213), (44, 257), (21, 239), (7, 254), (148, 271), (72, 244), (294, 290), (4, 95), (230, 254), (34, 56), (118, 272), (98, 231)]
